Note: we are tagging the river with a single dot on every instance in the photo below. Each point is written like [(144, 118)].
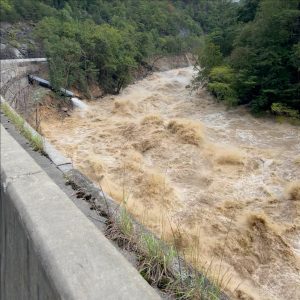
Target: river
[(218, 176)]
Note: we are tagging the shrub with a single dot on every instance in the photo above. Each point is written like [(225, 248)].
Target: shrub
[(222, 74), (283, 110), (223, 92), (221, 84)]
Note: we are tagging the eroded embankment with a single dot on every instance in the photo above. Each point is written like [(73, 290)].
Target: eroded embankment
[(214, 181)]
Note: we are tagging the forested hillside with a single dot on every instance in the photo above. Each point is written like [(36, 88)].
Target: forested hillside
[(105, 40), (249, 51), (258, 63)]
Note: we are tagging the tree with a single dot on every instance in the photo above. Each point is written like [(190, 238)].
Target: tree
[(209, 57), (247, 10), (222, 84), (64, 61), (264, 56), (270, 38)]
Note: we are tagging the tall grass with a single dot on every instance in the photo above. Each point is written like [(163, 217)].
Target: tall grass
[(165, 265), (155, 261)]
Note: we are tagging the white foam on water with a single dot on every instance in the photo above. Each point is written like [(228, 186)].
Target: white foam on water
[(78, 103)]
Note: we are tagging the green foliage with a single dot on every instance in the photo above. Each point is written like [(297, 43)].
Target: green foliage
[(264, 55), (197, 287), (80, 52), (156, 260), (283, 110), (221, 84), (295, 56), (156, 19), (125, 223), (209, 57), (5, 7), (64, 61), (224, 92), (105, 41), (33, 10), (271, 39), (247, 10), (222, 74)]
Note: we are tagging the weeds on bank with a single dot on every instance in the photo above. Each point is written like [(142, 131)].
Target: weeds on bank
[(165, 266), (35, 140), (191, 283), (155, 261), (121, 230), (197, 287), (125, 223), (157, 267)]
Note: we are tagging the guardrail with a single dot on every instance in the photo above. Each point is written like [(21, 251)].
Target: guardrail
[(48, 248)]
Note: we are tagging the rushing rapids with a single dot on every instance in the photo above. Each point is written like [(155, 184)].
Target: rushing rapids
[(219, 177)]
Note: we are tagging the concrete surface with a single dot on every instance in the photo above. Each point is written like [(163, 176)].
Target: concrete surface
[(48, 248), (56, 157), (14, 75)]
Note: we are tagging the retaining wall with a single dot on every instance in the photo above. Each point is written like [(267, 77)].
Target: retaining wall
[(14, 75), (48, 248)]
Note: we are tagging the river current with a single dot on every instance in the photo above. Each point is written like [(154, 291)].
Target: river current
[(183, 163)]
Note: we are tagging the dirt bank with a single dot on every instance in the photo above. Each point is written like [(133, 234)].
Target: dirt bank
[(225, 181)]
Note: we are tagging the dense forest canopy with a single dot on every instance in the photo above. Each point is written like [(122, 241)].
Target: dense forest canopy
[(105, 40), (259, 64), (249, 51)]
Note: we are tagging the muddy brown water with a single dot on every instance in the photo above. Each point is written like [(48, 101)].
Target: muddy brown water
[(210, 179)]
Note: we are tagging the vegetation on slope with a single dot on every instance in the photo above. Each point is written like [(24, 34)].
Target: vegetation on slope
[(261, 64), (251, 54), (104, 41)]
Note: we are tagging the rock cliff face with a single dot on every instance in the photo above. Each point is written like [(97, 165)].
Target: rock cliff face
[(18, 41)]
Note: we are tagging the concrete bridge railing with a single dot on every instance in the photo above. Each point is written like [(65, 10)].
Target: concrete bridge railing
[(48, 248)]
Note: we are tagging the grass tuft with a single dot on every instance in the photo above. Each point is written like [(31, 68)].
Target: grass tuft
[(155, 261), (125, 222), (196, 287), (121, 230)]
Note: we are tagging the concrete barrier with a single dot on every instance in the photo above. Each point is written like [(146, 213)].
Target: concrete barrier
[(14, 74), (48, 248)]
